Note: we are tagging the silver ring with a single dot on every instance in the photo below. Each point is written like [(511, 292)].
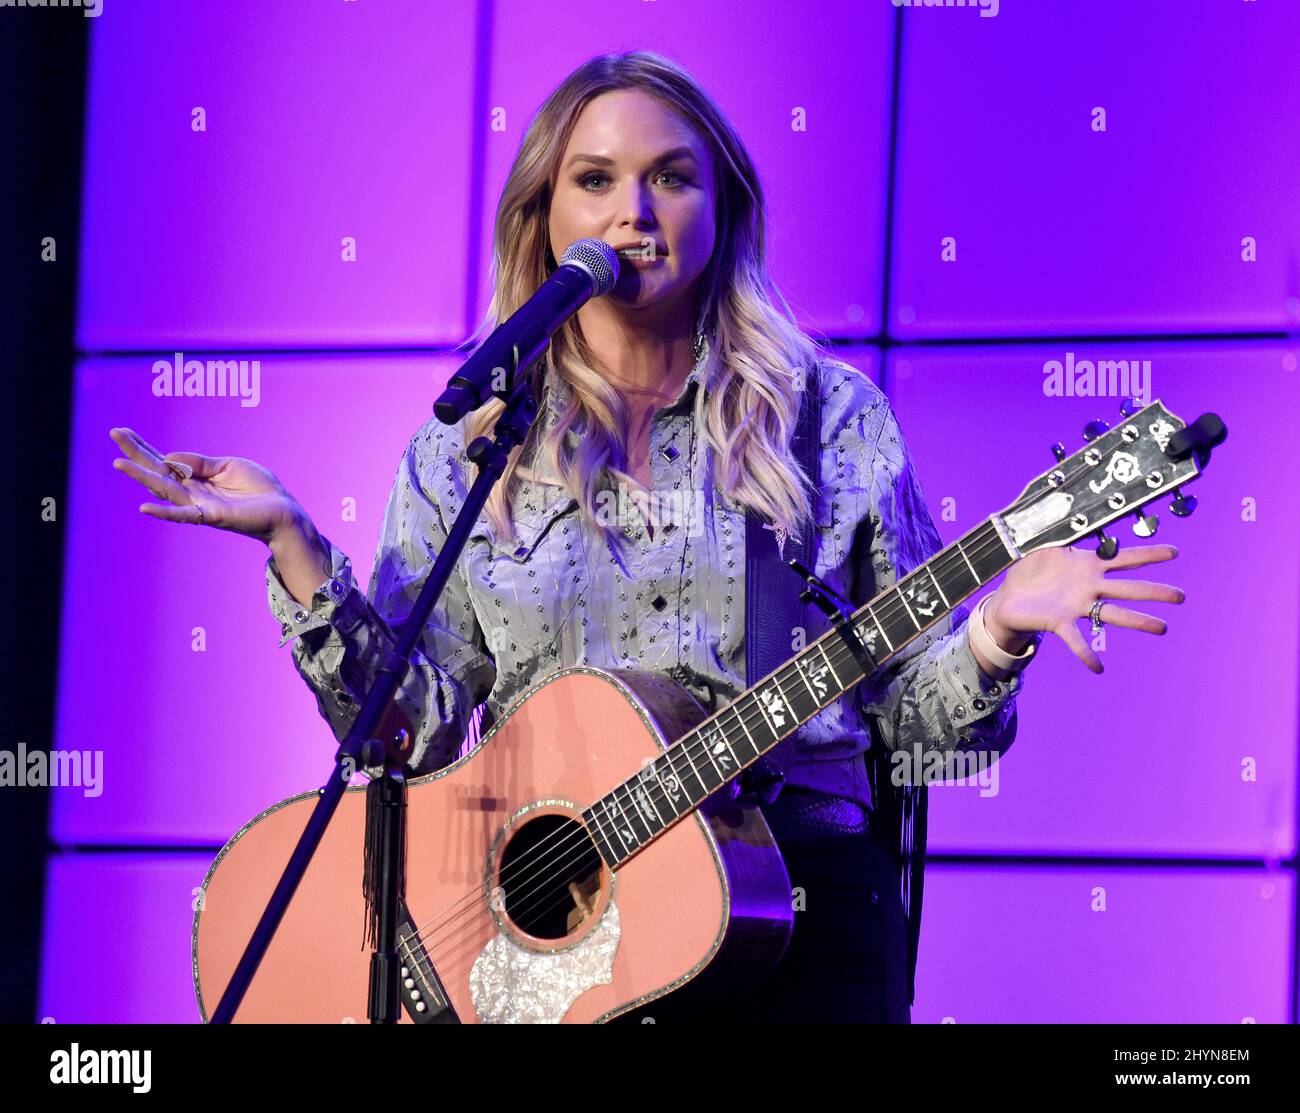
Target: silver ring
[(1095, 615), (200, 522)]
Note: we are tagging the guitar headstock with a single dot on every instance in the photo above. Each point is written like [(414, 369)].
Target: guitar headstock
[(1150, 455)]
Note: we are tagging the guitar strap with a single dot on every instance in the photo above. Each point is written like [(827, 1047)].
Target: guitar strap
[(772, 612), (772, 606)]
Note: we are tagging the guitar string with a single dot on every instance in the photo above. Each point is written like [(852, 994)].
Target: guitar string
[(581, 837), (587, 850), (891, 610), (840, 649), (581, 840), (554, 861), (586, 847), (445, 953)]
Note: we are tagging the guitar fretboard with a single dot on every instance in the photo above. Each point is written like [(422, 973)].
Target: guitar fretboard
[(704, 759)]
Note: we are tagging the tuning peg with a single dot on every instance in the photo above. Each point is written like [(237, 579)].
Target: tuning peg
[(1095, 429), (1058, 450), (1130, 406), (1108, 546), (1146, 525), (1183, 505)]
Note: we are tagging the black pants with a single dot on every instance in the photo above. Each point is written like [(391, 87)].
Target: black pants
[(847, 962)]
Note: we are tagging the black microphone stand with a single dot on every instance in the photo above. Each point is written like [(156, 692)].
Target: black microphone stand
[(361, 750)]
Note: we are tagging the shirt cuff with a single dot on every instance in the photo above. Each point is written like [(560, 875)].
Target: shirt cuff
[(336, 602), (970, 694)]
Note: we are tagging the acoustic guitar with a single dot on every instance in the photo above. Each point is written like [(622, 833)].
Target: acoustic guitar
[(590, 856)]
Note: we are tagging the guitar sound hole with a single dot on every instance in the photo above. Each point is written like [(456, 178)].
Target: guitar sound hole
[(549, 876)]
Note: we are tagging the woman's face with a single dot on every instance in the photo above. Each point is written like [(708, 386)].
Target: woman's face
[(615, 184)]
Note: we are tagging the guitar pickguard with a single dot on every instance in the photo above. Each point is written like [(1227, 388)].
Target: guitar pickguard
[(510, 984)]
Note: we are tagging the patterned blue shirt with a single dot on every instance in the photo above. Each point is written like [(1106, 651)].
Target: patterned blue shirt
[(556, 596)]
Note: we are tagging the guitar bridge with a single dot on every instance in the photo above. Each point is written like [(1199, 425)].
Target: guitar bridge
[(423, 996)]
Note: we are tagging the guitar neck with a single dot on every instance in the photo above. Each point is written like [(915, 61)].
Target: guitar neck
[(706, 758)]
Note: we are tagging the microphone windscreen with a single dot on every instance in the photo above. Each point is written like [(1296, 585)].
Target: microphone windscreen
[(598, 259)]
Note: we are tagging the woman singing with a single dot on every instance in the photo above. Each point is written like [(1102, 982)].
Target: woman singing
[(685, 380)]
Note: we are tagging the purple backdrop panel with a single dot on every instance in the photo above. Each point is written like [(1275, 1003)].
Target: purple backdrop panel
[(1060, 227), (1099, 944), (1187, 742), (322, 123), (808, 92), (169, 652), (117, 938)]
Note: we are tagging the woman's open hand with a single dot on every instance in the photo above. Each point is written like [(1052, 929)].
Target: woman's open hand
[(226, 492), (1051, 589)]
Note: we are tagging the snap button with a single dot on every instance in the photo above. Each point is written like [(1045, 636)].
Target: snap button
[(978, 704), (336, 588), (301, 616), (960, 712)]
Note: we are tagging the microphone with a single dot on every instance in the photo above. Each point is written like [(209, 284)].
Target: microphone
[(588, 269)]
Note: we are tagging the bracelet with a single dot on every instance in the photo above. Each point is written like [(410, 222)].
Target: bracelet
[(999, 657)]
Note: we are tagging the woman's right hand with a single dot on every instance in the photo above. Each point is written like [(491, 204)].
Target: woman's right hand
[(226, 492)]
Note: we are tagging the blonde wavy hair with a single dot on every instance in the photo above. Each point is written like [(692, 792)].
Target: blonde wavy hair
[(752, 379)]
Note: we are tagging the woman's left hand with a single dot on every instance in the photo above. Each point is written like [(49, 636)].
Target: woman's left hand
[(1051, 589)]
